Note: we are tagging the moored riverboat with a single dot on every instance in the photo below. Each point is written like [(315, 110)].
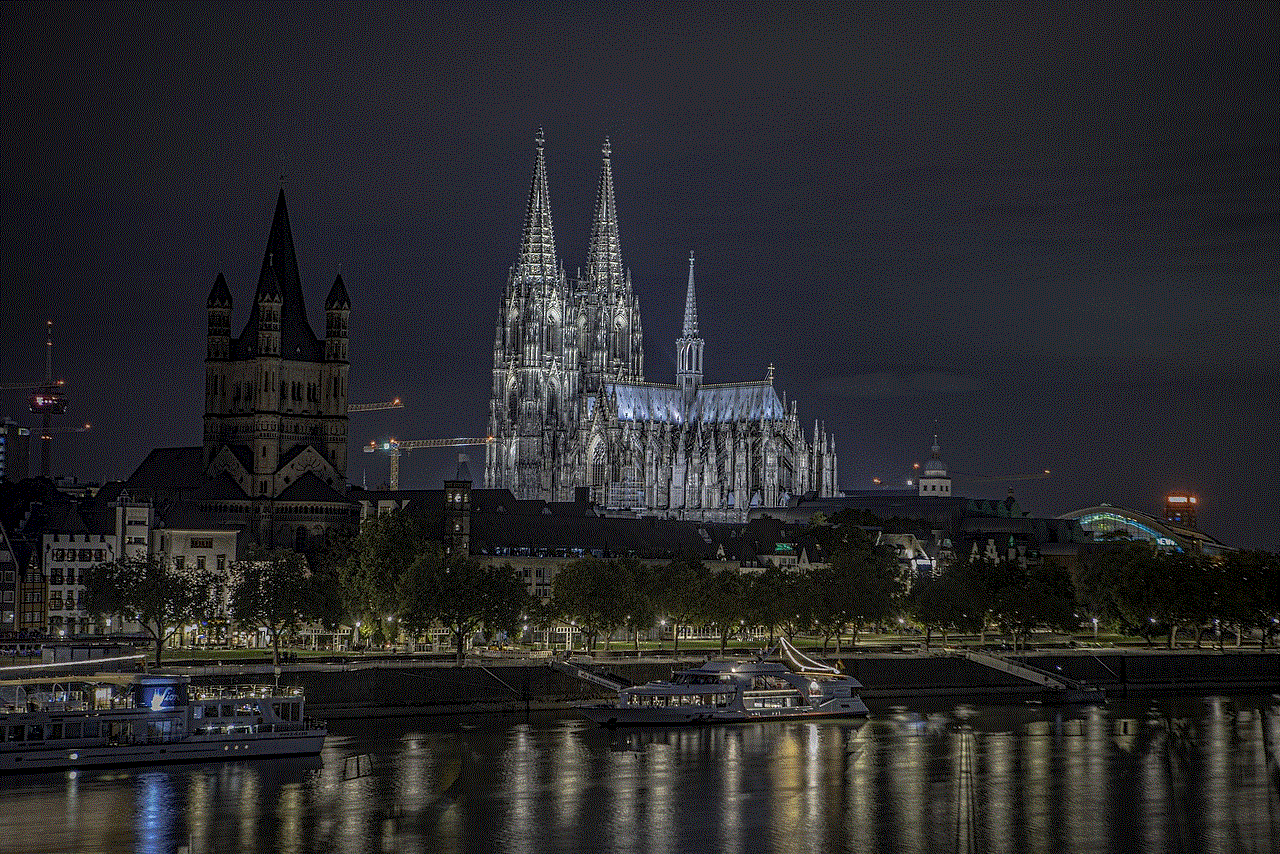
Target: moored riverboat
[(125, 719), (730, 691)]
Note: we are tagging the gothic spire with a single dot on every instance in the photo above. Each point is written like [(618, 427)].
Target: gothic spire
[(690, 307), (537, 261), (689, 347), (604, 253)]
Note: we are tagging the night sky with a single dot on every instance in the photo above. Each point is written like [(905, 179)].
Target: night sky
[(1050, 231)]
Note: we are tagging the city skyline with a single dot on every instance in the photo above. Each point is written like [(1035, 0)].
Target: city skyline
[(1051, 238)]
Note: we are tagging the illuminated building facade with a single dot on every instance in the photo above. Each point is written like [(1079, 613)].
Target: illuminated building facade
[(1180, 510), (1161, 533), (570, 406)]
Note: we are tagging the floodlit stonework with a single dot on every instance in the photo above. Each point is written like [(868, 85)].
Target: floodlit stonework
[(570, 406)]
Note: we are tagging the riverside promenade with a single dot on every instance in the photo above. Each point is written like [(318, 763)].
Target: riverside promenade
[(495, 683), (491, 682)]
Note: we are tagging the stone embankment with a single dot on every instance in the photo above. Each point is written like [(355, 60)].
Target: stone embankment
[(503, 684)]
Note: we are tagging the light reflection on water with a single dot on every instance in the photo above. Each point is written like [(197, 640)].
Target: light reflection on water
[(1187, 774)]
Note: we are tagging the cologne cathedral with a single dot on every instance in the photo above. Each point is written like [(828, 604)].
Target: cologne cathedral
[(571, 407)]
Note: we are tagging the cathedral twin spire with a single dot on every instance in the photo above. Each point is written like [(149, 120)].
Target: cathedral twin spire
[(537, 261), (604, 253)]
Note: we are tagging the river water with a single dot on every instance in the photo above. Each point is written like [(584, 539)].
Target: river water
[(1195, 774)]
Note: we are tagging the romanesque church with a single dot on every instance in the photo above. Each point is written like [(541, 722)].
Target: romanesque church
[(570, 406), (274, 458)]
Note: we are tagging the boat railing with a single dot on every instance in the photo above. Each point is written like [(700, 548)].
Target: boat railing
[(229, 692)]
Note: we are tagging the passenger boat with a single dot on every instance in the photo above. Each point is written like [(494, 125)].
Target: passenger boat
[(729, 691), (126, 719)]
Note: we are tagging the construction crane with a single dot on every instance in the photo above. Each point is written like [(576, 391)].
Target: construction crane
[(83, 428), (47, 399), (977, 478), (23, 386), (372, 407), (394, 448)]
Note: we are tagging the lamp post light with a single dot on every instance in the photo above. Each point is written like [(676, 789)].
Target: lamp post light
[(1095, 628), (662, 627)]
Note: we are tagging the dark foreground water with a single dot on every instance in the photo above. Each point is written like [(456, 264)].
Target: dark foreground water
[(1186, 774)]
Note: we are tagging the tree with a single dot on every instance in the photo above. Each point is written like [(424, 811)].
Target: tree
[(928, 605), (639, 594), (1031, 597), (681, 591), (276, 590), (859, 585), (146, 589), (721, 603), (1142, 590), (460, 594), (545, 615), (772, 595), (372, 566), (588, 590)]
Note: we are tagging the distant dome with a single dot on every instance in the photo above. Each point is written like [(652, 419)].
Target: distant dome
[(935, 467)]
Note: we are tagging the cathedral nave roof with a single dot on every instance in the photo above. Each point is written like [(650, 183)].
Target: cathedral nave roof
[(713, 404)]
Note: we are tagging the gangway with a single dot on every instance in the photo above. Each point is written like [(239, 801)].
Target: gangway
[(572, 668), (1070, 690)]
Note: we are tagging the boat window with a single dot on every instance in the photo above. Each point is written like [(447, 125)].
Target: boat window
[(17, 733), (35, 732), (197, 712), (226, 711), (55, 731), (211, 711), (73, 730)]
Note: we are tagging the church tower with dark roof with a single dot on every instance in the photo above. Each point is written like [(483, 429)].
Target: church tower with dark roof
[(276, 395)]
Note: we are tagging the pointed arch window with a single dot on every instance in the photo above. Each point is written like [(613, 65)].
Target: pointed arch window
[(599, 471)]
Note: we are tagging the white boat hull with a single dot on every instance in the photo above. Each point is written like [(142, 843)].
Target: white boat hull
[(610, 714), (193, 749)]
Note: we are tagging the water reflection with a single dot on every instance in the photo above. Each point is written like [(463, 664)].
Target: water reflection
[(1193, 774)]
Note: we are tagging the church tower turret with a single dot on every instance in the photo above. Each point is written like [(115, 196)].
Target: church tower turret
[(337, 314), (219, 349), (689, 346), (219, 308)]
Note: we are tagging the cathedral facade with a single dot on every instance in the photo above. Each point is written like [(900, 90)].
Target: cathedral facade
[(570, 406)]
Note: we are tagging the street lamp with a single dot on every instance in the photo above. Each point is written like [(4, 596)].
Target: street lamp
[(662, 627), (1095, 628)]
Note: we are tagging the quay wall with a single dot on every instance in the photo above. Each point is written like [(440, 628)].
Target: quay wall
[(413, 687)]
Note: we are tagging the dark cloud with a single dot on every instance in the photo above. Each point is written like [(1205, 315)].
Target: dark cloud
[(888, 384)]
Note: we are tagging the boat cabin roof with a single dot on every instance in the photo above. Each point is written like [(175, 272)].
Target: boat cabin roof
[(745, 665), (119, 679)]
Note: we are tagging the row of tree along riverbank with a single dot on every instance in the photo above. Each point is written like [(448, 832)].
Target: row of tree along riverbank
[(411, 687)]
